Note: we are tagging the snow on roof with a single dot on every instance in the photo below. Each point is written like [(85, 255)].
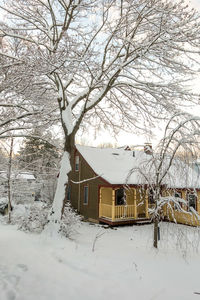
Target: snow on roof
[(182, 175), (114, 166), (21, 175), (25, 175)]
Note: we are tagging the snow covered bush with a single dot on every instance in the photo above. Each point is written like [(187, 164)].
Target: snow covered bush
[(35, 218), (18, 213), (70, 221), (29, 217)]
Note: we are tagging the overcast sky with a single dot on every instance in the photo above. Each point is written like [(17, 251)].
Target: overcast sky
[(123, 138), (195, 3)]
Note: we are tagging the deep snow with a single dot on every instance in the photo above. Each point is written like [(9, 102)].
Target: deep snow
[(123, 264)]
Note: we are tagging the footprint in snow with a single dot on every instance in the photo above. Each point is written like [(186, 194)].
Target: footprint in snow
[(9, 280), (22, 267)]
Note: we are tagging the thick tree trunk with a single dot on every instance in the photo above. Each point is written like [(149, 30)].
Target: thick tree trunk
[(55, 213)]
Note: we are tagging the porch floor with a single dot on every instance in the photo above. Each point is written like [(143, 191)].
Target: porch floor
[(126, 221)]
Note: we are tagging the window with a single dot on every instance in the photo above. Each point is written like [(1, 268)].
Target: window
[(86, 190), (191, 198), (151, 197), (76, 163), (69, 193), (177, 195), (120, 197)]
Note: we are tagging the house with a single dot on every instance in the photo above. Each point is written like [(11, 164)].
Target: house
[(186, 186), (102, 188)]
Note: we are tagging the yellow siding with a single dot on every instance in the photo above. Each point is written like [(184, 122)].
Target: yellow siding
[(106, 210), (140, 196), (130, 196), (198, 202), (106, 195), (183, 218), (140, 199), (186, 218)]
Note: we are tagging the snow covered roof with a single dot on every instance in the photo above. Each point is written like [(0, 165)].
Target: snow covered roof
[(114, 166), (25, 175), (21, 175)]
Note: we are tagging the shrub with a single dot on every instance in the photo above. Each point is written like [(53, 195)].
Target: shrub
[(70, 221)]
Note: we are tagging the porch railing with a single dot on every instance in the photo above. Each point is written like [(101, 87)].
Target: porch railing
[(123, 211), (117, 212)]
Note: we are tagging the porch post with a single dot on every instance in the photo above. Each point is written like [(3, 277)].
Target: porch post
[(100, 202), (135, 203), (113, 204), (146, 204), (164, 194)]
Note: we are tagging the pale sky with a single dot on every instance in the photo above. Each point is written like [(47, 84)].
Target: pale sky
[(131, 138), (195, 3)]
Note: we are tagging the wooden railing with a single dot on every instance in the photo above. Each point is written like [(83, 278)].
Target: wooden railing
[(124, 211), (117, 212)]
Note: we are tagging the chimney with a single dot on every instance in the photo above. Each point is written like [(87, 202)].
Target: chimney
[(148, 148)]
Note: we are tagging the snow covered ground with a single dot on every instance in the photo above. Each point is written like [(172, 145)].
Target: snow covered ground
[(122, 265)]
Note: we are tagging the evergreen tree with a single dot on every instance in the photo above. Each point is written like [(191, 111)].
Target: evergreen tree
[(42, 159), (38, 156)]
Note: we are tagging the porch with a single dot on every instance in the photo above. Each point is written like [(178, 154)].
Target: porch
[(133, 210)]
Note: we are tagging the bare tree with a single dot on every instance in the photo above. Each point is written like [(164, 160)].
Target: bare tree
[(19, 113), (117, 63), (7, 163), (9, 179), (164, 171)]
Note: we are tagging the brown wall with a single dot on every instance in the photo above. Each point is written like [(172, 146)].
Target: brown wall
[(77, 190)]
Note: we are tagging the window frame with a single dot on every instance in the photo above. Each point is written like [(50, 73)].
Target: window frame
[(86, 187), (178, 194), (195, 200), (69, 193), (151, 196), (76, 163)]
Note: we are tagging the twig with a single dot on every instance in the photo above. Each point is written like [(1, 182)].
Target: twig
[(98, 235)]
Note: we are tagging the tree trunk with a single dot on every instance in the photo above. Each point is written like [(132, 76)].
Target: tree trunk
[(156, 217), (155, 239), (55, 213), (9, 180)]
